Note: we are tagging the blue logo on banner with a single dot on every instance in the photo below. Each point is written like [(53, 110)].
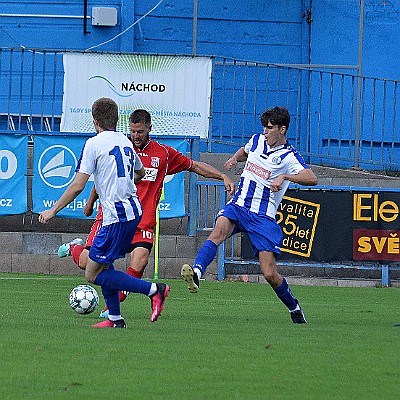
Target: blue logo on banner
[(57, 166), (55, 161)]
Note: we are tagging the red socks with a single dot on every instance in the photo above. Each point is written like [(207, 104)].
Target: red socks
[(133, 272), (76, 250)]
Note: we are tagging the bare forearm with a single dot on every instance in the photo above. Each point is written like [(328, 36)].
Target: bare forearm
[(69, 195), (139, 175), (92, 197), (89, 206), (206, 170), (239, 156), (306, 177)]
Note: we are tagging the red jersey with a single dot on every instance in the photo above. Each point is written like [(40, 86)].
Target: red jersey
[(158, 161)]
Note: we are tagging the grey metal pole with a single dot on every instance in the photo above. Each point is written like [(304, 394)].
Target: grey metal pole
[(359, 86)]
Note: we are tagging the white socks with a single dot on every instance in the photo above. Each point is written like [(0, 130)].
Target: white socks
[(153, 289), (197, 272)]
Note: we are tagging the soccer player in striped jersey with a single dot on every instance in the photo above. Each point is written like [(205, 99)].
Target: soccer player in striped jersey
[(115, 166), (159, 160), (271, 164)]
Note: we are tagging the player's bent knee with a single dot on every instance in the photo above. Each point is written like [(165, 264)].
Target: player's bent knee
[(272, 278), (90, 276), (83, 259), (218, 236)]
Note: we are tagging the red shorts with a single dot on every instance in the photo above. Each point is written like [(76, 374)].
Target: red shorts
[(141, 236)]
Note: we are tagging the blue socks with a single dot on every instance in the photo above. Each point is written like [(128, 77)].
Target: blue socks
[(111, 297), (119, 280), (112, 281), (286, 296), (205, 255)]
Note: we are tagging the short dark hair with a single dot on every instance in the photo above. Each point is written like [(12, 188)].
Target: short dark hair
[(140, 117), (276, 116), (105, 112)]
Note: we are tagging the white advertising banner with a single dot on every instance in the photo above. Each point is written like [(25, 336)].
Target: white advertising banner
[(176, 90)]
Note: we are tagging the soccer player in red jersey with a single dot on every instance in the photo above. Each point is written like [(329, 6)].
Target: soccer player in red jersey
[(158, 161)]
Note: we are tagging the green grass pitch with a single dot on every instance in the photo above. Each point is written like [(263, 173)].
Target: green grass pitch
[(231, 340)]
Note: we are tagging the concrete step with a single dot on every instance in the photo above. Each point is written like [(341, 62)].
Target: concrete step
[(34, 252)]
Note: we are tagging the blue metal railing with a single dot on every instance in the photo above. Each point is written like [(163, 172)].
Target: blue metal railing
[(338, 119), (211, 197)]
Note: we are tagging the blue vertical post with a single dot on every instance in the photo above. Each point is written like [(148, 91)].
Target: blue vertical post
[(222, 247), (221, 261), (126, 17), (192, 203), (385, 276)]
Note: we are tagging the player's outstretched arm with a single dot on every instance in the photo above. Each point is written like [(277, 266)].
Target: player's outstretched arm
[(305, 177), (89, 206), (69, 195), (239, 156), (139, 175), (208, 171)]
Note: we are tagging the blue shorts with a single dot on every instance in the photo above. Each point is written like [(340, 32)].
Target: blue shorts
[(113, 241), (264, 232)]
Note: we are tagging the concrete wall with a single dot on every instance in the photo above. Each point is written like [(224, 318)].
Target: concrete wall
[(30, 252), (36, 252)]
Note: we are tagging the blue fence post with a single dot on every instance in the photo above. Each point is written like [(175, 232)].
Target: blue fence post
[(192, 203), (222, 247), (221, 261), (385, 276)]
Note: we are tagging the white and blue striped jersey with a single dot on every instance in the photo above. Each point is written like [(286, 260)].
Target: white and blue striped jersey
[(263, 165), (110, 157)]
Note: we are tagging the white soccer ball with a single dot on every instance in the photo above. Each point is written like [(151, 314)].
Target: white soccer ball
[(84, 299)]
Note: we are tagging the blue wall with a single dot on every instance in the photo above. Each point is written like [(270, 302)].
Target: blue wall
[(335, 35), (55, 25), (273, 31), (249, 30)]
